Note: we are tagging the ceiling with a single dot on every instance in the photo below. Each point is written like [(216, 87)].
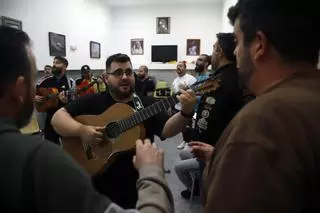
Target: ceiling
[(116, 3)]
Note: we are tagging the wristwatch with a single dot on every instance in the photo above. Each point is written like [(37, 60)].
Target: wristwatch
[(187, 115)]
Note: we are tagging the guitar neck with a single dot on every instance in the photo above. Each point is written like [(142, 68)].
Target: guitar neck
[(163, 105), (148, 112)]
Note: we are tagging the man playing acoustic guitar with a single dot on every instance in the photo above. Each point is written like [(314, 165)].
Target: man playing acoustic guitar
[(60, 82), (118, 182), (89, 84)]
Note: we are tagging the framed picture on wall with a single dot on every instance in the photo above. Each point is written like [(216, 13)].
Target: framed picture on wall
[(163, 25), (137, 46), (57, 44), (193, 47), (95, 49), (10, 22)]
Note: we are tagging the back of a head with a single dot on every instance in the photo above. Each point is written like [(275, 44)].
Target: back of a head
[(227, 44), (14, 59), (289, 25), (119, 57)]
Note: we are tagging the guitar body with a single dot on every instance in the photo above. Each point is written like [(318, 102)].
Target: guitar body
[(51, 99), (106, 152)]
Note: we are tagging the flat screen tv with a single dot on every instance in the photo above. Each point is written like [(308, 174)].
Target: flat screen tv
[(164, 53)]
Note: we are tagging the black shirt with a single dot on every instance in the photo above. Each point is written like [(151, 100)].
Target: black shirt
[(145, 86), (217, 108), (118, 182), (60, 84), (38, 176)]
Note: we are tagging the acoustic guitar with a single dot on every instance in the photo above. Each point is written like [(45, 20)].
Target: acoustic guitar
[(123, 126), (51, 98), (51, 95), (85, 87)]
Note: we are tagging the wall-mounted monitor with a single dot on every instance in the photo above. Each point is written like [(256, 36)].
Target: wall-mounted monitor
[(164, 53)]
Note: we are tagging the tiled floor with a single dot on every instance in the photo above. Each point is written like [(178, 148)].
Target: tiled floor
[(171, 157)]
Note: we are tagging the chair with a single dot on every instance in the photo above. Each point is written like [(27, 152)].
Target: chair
[(195, 175), (33, 127), (163, 90)]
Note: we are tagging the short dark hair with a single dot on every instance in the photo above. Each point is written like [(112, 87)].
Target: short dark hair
[(14, 58), (62, 59), (119, 57), (47, 66), (288, 25), (227, 44)]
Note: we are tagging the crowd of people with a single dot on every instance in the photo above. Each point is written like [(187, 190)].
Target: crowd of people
[(253, 137)]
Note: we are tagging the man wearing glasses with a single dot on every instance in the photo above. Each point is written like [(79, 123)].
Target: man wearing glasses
[(119, 181)]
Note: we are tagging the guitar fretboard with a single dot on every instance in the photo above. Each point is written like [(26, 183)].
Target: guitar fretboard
[(163, 105), (147, 113)]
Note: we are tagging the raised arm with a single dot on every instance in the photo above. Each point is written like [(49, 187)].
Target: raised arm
[(178, 121)]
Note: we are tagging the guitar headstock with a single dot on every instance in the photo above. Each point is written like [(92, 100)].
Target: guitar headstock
[(209, 85)]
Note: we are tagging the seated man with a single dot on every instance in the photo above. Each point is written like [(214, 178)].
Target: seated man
[(145, 85), (39, 176), (216, 108)]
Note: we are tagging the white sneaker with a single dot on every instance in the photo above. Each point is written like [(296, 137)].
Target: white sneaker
[(181, 145)]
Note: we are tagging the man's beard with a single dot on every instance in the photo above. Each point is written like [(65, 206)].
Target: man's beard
[(56, 71), (25, 114), (199, 68), (119, 94), (214, 62), (179, 71), (246, 68)]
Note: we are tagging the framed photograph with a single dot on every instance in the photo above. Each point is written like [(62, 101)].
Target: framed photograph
[(57, 44), (193, 47), (163, 25), (137, 46), (95, 49), (10, 22)]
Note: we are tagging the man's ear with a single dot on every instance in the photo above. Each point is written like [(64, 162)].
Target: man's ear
[(259, 45), (107, 77), (19, 89), (218, 50)]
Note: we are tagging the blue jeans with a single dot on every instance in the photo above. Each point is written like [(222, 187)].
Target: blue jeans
[(187, 164)]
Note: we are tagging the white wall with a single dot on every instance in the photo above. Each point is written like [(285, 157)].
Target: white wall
[(202, 21), (226, 26), (81, 21)]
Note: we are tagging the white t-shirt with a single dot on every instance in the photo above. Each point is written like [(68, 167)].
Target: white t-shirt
[(181, 82)]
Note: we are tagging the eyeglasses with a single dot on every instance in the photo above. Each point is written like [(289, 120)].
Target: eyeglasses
[(119, 73)]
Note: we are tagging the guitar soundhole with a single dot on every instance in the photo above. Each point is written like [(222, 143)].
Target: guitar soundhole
[(112, 130)]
